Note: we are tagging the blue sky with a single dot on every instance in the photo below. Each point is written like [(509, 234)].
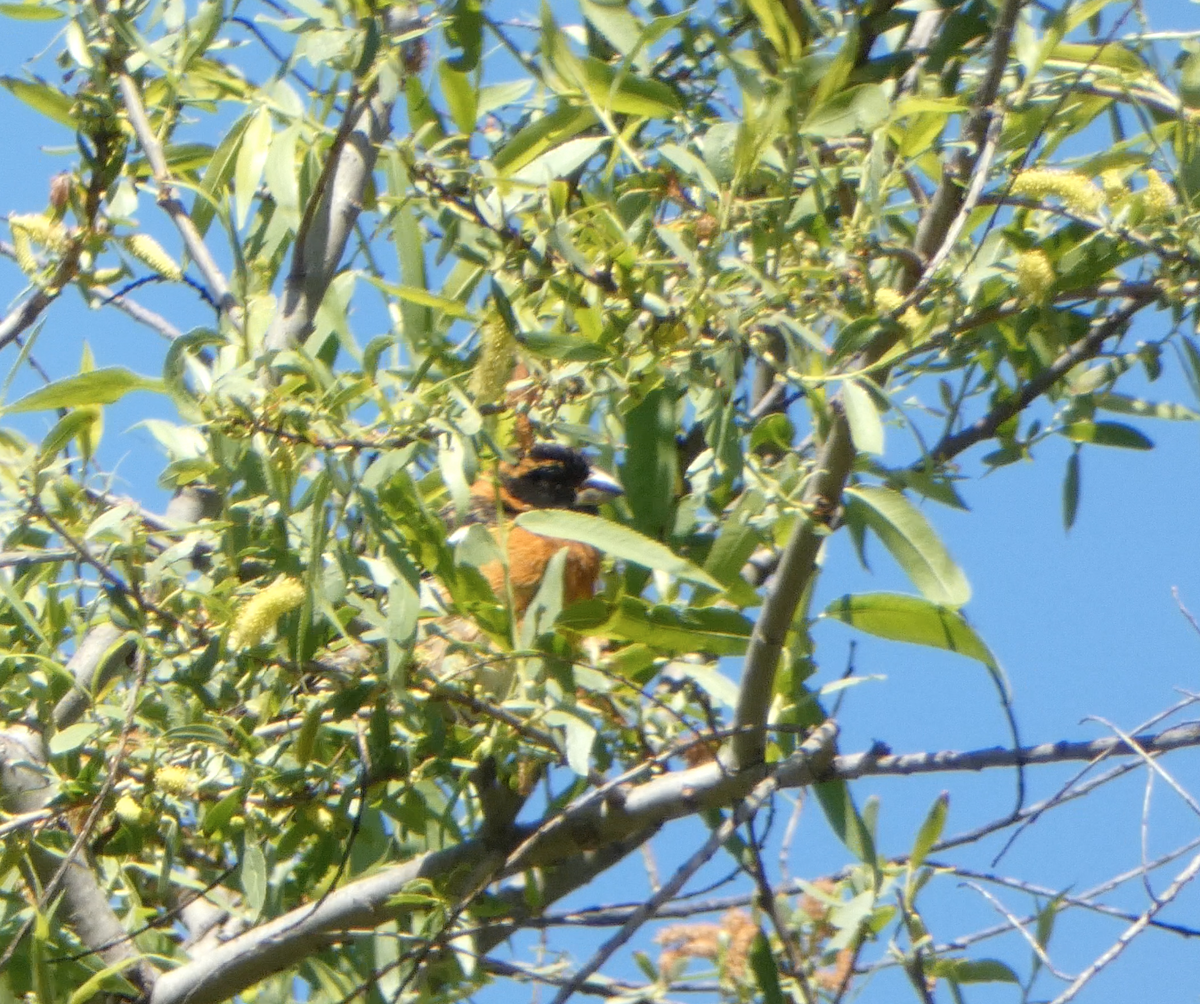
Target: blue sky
[(1083, 623)]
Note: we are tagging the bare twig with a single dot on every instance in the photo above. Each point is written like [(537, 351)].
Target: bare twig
[(170, 203)]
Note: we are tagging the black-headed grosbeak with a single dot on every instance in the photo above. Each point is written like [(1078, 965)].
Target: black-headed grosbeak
[(547, 476)]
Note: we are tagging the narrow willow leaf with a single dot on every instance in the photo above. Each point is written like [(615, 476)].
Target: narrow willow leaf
[(1108, 434), (931, 830), (616, 540), (72, 737), (254, 877), (581, 737), (854, 110), (1071, 490), (424, 298), (866, 427), (663, 628), (50, 101), (838, 806), (251, 160), (542, 135), (30, 12), (1123, 404), (766, 970), (461, 97), (914, 544), (913, 620), (103, 386), (972, 971)]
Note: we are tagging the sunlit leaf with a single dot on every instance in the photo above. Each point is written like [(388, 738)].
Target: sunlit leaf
[(102, 386), (912, 541), (913, 620), (615, 540)]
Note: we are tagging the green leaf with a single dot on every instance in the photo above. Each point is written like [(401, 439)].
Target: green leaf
[(581, 737), (542, 135), (461, 96), (30, 12), (866, 427), (616, 540), (620, 28), (663, 628), (913, 620), (562, 347), (1107, 434), (464, 30), (50, 101), (766, 970), (1071, 490), (972, 971), (217, 174), (626, 94), (251, 160), (692, 166), (103, 386), (1125, 405), (414, 294), (910, 539), (651, 468), (254, 877), (854, 110), (931, 830), (72, 737), (838, 806), (65, 429)]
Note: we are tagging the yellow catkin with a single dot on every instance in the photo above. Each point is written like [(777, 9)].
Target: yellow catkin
[(495, 363), (173, 780), (23, 251), (46, 232), (1073, 189), (887, 300), (1035, 276), (1158, 198), (149, 252), (128, 810), (1115, 187), (259, 615)]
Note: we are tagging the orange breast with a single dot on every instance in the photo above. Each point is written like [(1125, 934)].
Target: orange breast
[(528, 556)]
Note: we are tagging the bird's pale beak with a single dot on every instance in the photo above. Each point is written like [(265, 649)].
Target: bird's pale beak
[(598, 489)]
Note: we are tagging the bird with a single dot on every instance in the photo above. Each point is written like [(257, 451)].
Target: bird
[(545, 476)]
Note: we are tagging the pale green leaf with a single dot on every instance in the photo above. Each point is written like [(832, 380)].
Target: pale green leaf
[(913, 620), (854, 110), (50, 101), (254, 877), (866, 427), (103, 386), (581, 737), (615, 540), (251, 160), (30, 12), (910, 539), (72, 737), (972, 971), (1108, 434)]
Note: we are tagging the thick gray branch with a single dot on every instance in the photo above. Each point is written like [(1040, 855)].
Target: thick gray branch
[(25, 786), (595, 824), (105, 649), (794, 574), (323, 237)]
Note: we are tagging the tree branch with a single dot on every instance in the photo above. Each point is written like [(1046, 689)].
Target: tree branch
[(1103, 329), (329, 220), (796, 566), (167, 199)]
